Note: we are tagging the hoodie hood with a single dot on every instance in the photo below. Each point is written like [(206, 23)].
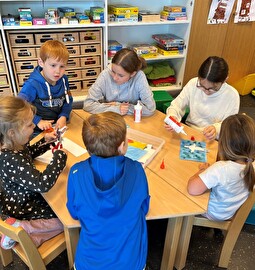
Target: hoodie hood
[(107, 184)]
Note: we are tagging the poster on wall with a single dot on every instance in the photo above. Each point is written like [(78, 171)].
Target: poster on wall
[(245, 11), (220, 11)]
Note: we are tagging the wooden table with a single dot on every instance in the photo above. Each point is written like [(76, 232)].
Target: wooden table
[(169, 198)]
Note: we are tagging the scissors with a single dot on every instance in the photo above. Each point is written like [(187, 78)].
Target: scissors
[(59, 144)]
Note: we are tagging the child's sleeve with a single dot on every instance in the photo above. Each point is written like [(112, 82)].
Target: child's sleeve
[(71, 195)]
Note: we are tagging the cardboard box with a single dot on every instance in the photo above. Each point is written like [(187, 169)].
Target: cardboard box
[(148, 16), (117, 9)]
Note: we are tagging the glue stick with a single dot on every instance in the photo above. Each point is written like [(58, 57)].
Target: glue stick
[(177, 127), (138, 112)]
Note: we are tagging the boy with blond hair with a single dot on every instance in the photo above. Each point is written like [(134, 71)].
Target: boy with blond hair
[(47, 87)]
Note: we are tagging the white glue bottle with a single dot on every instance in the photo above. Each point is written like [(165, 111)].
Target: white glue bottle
[(138, 112), (177, 127)]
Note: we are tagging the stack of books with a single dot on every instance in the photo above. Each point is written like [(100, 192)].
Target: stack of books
[(145, 50), (123, 13), (169, 44), (173, 13), (25, 16)]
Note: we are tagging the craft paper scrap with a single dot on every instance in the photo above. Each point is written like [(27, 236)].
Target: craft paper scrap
[(73, 147), (136, 144), (193, 150), (147, 156), (135, 153)]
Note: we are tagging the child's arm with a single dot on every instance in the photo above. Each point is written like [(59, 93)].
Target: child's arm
[(195, 185)]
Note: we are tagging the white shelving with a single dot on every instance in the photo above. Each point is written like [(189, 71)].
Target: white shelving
[(125, 33)]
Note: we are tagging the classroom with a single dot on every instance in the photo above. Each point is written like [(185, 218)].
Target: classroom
[(171, 78)]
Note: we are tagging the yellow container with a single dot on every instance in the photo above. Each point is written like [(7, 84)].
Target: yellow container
[(245, 85), (118, 9)]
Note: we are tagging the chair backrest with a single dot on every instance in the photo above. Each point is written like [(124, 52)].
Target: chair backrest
[(238, 219), (32, 256), (232, 227)]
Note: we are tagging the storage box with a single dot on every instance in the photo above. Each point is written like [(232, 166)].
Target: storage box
[(90, 36), (123, 9), (41, 38), (73, 74), (3, 80), (26, 66), (86, 84), (39, 21), (245, 85), (160, 98), (22, 78), (75, 86), (168, 52), (148, 16), (70, 37), (22, 39), (90, 49), (24, 53), (155, 142), (73, 50), (2, 68), (73, 62), (5, 92), (90, 61), (90, 73)]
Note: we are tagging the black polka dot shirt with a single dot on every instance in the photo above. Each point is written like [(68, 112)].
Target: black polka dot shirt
[(21, 184)]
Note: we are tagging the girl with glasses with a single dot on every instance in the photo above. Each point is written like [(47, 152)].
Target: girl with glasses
[(209, 98)]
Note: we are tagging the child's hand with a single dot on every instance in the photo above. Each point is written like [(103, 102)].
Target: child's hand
[(168, 127), (210, 132), (45, 124), (50, 136), (204, 166), (61, 122), (124, 108)]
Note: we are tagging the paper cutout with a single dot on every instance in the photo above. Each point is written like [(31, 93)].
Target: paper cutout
[(193, 150)]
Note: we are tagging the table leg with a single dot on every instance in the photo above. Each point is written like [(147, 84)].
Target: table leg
[(72, 237), (183, 246), (171, 242)]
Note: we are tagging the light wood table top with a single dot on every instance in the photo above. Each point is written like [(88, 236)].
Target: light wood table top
[(169, 198), (177, 171)]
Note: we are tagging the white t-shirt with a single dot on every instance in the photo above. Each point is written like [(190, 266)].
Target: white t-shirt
[(205, 110), (228, 190)]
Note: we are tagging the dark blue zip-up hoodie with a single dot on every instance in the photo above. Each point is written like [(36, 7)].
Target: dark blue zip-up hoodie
[(110, 198), (50, 101)]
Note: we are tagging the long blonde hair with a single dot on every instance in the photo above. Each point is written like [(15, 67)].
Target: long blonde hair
[(237, 143), (13, 112)]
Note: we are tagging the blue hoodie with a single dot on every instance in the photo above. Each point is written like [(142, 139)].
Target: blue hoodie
[(110, 198), (50, 101)]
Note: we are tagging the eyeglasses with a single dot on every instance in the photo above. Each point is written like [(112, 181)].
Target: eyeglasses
[(209, 90)]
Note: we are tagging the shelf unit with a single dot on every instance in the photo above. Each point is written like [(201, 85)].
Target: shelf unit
[(5, 83), (125, 33)]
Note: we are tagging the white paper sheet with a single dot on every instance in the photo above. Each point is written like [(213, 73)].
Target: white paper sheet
[(69, 145)]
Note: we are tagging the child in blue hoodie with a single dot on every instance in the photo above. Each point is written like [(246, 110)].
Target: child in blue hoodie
[(47, 87), (108, 194)]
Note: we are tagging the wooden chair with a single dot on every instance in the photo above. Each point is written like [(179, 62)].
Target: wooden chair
[(231, 227), (35, 258)]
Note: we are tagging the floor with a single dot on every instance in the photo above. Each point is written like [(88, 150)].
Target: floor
[(204, 246)]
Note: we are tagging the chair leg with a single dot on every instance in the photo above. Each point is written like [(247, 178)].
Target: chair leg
[(227, 248), (6, 256), (183, 246)]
